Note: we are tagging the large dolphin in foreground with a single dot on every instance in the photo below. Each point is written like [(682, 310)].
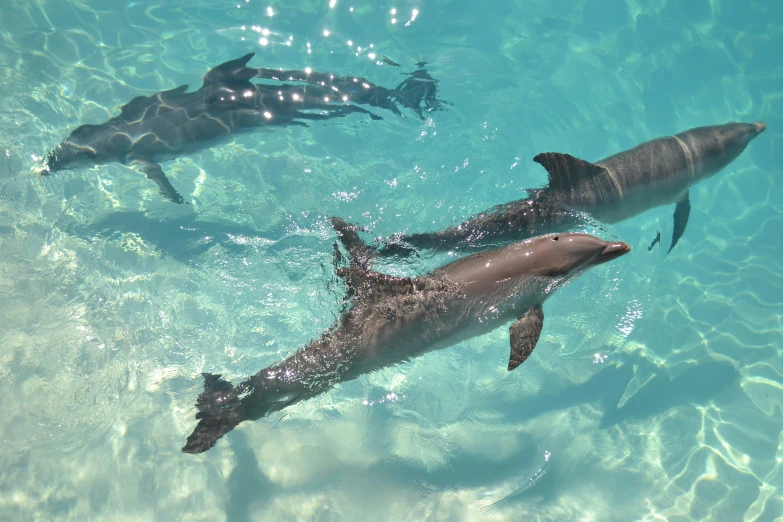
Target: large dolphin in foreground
[(393, 319), (657, 172), (152, 129)]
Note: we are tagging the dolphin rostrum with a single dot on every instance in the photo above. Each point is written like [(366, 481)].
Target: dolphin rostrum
[(657, 172), (152, 129), (391, 319)]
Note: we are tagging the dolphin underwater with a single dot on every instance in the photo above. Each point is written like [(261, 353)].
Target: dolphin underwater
[(391, 319), (152, 129), (654, 173)]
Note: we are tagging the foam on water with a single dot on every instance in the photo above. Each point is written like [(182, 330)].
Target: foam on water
[(655, 391)]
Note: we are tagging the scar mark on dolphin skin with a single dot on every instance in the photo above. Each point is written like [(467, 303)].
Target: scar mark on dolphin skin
[(614, 180), (688, 156)]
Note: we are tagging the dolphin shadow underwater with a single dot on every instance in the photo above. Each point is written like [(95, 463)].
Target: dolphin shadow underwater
[(161, 127), (654, 173), (388, 320), (182, 238)]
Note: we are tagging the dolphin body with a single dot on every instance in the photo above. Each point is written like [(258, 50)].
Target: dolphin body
[(152, 129), (654, 173), (393, 319)]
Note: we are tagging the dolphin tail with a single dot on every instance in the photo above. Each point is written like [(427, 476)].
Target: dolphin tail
[(361, 255), (219, 412), (419, 92)]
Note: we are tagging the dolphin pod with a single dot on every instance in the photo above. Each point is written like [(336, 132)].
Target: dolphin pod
[(654, 173), (389, 320), (157, 128)]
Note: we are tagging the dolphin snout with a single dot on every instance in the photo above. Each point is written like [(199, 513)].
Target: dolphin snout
[(612, 251), (760, 127)]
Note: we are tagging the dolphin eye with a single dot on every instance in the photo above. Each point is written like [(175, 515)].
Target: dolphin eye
[(555, 238)]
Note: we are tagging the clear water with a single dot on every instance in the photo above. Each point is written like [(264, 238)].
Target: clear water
[(654, 394)]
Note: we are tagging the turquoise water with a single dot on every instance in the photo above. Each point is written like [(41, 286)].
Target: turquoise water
[(655, 392)]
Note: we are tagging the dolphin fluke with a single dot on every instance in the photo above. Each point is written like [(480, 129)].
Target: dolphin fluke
[(219, 412), (419, 92), (361, 254)]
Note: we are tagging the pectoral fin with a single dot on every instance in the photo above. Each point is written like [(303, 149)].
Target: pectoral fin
[(524, 335), (155, 173), (681, 213)]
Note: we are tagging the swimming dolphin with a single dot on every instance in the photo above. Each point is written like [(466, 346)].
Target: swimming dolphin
[(393, 319), (657, 172), (152, 129)]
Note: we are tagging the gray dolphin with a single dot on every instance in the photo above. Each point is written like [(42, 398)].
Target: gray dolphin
[(152, 129), (393, 319), (657, 172)]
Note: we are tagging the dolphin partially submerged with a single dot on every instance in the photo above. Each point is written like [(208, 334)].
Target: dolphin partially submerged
[(393, 319), (654, 173), (157, 128)]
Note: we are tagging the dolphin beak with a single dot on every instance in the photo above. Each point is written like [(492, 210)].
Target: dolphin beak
[(760, 127), (611, 251)]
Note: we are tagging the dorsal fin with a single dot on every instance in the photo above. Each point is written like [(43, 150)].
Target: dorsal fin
[(134, 109), (173, 92), (232, 72), (565, 170)]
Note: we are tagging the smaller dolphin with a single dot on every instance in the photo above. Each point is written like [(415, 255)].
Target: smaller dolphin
[(654, 173), (393, 319), (152, 129)]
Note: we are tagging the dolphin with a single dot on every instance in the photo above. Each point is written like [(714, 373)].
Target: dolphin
[(152, 129), (389, 320), (654, 173)]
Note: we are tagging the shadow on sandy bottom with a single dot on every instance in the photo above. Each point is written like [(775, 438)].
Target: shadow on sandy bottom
[(185, 238)]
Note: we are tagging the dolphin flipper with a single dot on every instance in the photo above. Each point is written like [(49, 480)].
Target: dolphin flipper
[(681, 213), (155, 173), (524, 335)]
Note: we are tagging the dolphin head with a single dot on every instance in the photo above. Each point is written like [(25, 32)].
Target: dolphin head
[(570, 253), (67, 155), (86, 146), (719, 145), (561, 256)]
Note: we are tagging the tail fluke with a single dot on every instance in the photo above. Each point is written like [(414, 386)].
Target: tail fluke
[(361, 254), (219, 412), (419, 92)]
